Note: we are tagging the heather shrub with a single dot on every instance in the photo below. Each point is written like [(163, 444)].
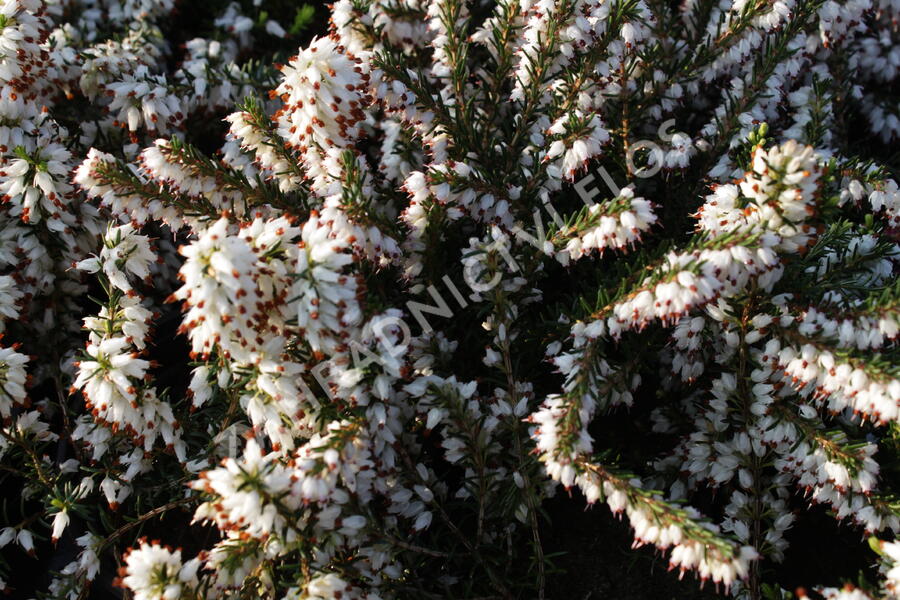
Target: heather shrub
[(350, 301)]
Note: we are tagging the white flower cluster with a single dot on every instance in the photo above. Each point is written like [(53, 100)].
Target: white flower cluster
[(324, 89), (112, 375), (13, 378), (689, 552), (282, 504), (891, 550), (617, 224), (817, 373), (333, 325), (769, 208), (235, 286), (154, 572)]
